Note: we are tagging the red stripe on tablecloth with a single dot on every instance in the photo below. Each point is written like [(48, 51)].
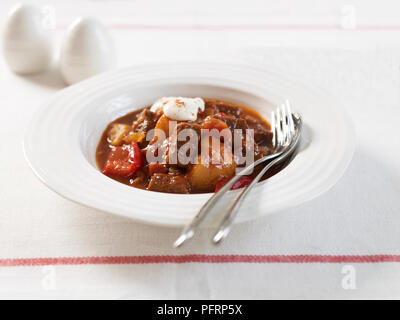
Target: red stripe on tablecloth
[(254, 27), (200, 258), (248, 27)]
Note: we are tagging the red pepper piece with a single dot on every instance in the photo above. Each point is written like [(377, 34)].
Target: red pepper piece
[(242, 182), (124, 161)]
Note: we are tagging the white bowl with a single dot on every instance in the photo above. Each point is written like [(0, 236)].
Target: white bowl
[(61, 139)]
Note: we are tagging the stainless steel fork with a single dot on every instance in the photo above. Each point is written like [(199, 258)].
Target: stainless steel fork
[(232, 211), (286, 128)]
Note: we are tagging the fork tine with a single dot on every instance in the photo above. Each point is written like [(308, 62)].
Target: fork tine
[(232, 211), (281, 125), (285, 129), (278, 125), (273, 128), (290, 118)]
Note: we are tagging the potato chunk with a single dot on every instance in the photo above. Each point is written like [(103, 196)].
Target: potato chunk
[(117, 133), (204, 176)]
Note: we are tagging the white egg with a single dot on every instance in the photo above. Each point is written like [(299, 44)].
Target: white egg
[(27, 41), (87, 50)]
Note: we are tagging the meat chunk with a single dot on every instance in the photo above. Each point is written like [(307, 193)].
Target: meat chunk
[(228, 108), (163, 182), (145, 121), (192, 131), (210, 109), (232, 122), (261, 133), (261, 129), (184, 156), (261, 150)]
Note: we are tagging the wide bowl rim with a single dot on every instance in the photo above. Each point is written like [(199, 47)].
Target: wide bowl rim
[(27, 145)]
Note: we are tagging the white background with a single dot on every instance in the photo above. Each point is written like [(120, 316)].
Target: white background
[(359, 215)]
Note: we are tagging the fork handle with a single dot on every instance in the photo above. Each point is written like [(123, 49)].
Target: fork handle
[(232, 211), (189, 229)]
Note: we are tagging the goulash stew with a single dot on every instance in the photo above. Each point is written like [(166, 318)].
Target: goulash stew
[(164, 147)]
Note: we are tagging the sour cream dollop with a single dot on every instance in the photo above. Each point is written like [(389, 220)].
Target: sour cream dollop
[(179, 108)]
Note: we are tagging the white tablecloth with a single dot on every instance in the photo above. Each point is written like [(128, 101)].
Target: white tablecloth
[(344, 244)]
